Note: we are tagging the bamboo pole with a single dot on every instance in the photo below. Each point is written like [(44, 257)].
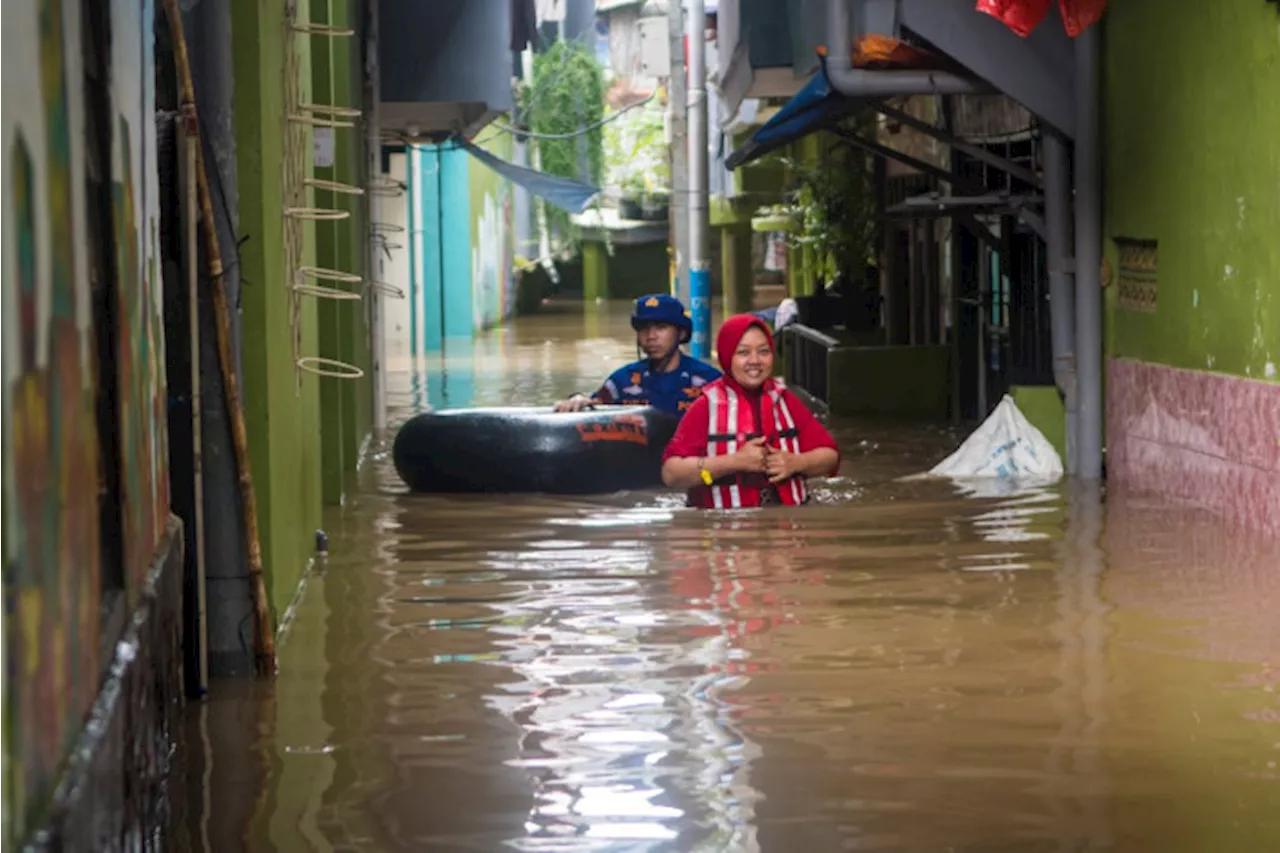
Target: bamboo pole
[(264, 635)]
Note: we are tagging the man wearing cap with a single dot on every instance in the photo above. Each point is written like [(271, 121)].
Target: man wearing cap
[(665, 378)]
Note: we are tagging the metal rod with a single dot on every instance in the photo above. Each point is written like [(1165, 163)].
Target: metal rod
[(977, 152), (699, 215), (190, 219), (677, 106), (264, 630), (984, 293), (859, 83), (373, 141), (1088, 259), (1062, 302), (905, 159), (914, 302)]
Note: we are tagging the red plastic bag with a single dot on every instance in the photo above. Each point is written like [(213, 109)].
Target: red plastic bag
[(1021, 16), (1079, 15)]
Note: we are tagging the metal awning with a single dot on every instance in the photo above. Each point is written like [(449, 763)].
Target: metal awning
[(813, 108)]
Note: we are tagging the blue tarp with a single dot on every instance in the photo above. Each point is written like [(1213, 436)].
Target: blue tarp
[(814, 107), (573, 196)]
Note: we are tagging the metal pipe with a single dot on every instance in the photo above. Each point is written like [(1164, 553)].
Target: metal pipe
[(191, 220), (1062, 302), (1088, 259), (699, 215), (373, 141), (984, 294), (678, 141), (856, 82)]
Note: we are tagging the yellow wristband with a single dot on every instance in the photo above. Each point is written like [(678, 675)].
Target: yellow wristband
[(703, 472)]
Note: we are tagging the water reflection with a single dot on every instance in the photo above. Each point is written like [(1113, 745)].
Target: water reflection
[(908, 665)]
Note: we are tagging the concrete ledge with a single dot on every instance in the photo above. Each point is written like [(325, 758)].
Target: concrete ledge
[(890, 380), (114, 792)]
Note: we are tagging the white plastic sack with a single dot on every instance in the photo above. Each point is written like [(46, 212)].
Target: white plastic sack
[(1006, 446)]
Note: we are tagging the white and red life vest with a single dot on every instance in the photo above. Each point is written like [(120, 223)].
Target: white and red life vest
[(731, 423)]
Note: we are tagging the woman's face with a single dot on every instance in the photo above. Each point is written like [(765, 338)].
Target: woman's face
[(752, 361)]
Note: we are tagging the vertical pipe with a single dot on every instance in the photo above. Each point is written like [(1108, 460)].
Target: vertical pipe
[(1062, 302), (1088, 258), (984, 301), (191, 218), (373, 141), (914, 302), (678, 141), (699, 217)]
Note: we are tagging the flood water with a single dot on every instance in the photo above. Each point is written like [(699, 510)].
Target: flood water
[(901, 667)]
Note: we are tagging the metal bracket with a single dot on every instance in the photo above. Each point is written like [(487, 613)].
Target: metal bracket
[(975, 151)]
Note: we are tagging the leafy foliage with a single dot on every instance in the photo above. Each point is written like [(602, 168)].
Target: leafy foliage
[(836, 200), (566, 95)]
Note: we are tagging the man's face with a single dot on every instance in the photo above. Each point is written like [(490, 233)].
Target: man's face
[(657, 339)]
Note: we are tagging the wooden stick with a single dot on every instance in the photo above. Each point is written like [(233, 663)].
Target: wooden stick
[(264, 633)]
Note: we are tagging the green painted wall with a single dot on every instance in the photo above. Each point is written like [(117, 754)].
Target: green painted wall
[(345, 404), (282, 408), (1192, 115), (907, 381), (1043, 407)]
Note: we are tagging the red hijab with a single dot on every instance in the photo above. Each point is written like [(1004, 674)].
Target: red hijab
[(727, 340)]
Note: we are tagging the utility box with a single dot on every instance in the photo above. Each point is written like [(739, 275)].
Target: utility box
[(655, 47)]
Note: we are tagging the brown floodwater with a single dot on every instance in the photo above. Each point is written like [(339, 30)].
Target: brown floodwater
[(902, 667)]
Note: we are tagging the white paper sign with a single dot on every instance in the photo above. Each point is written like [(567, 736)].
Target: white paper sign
[(322, 147)]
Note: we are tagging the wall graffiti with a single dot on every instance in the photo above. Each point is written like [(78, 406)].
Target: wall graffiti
[(52, 479), (51, 569), (140, 362), (492, 241)]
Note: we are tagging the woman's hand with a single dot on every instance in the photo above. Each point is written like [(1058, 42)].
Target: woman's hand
[(781, 466), (753, 457)]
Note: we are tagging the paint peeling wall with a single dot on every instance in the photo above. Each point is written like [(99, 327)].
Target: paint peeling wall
[(135, 207), (492, 236), (51, 577), (1193, 259), (53, 574), (1192, 116)]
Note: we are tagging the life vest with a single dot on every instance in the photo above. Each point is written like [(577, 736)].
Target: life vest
[(731, 423)]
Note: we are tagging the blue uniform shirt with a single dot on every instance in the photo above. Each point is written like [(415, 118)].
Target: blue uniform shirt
[(673, 391)]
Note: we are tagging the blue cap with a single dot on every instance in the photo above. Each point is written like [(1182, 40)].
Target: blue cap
[(661, 308)]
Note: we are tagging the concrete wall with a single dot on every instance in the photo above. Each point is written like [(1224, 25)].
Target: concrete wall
[(345, 404), (445, 50), (461, 247), (65, 606), (900, 381), (282, 404), (1193, 327)]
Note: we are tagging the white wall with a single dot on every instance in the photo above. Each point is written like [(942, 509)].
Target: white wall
[(393, 214)]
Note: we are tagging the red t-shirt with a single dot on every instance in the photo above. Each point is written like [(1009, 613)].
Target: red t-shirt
[(690, 439)]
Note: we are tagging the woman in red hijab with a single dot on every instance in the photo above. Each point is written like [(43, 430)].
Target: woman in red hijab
[(747, 441)]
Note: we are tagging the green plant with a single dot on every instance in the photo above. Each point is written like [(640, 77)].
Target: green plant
[(635, 151), (836, 200), (565, 96)]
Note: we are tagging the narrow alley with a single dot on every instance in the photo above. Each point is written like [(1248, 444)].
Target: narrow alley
[(903, 667), (640, 425)]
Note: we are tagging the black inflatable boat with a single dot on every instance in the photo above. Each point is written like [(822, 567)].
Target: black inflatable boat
[(602, 450)]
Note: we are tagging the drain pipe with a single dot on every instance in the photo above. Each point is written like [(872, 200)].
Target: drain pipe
[(699, 220), (855, 82), (1088, 258), (1062, 302)]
